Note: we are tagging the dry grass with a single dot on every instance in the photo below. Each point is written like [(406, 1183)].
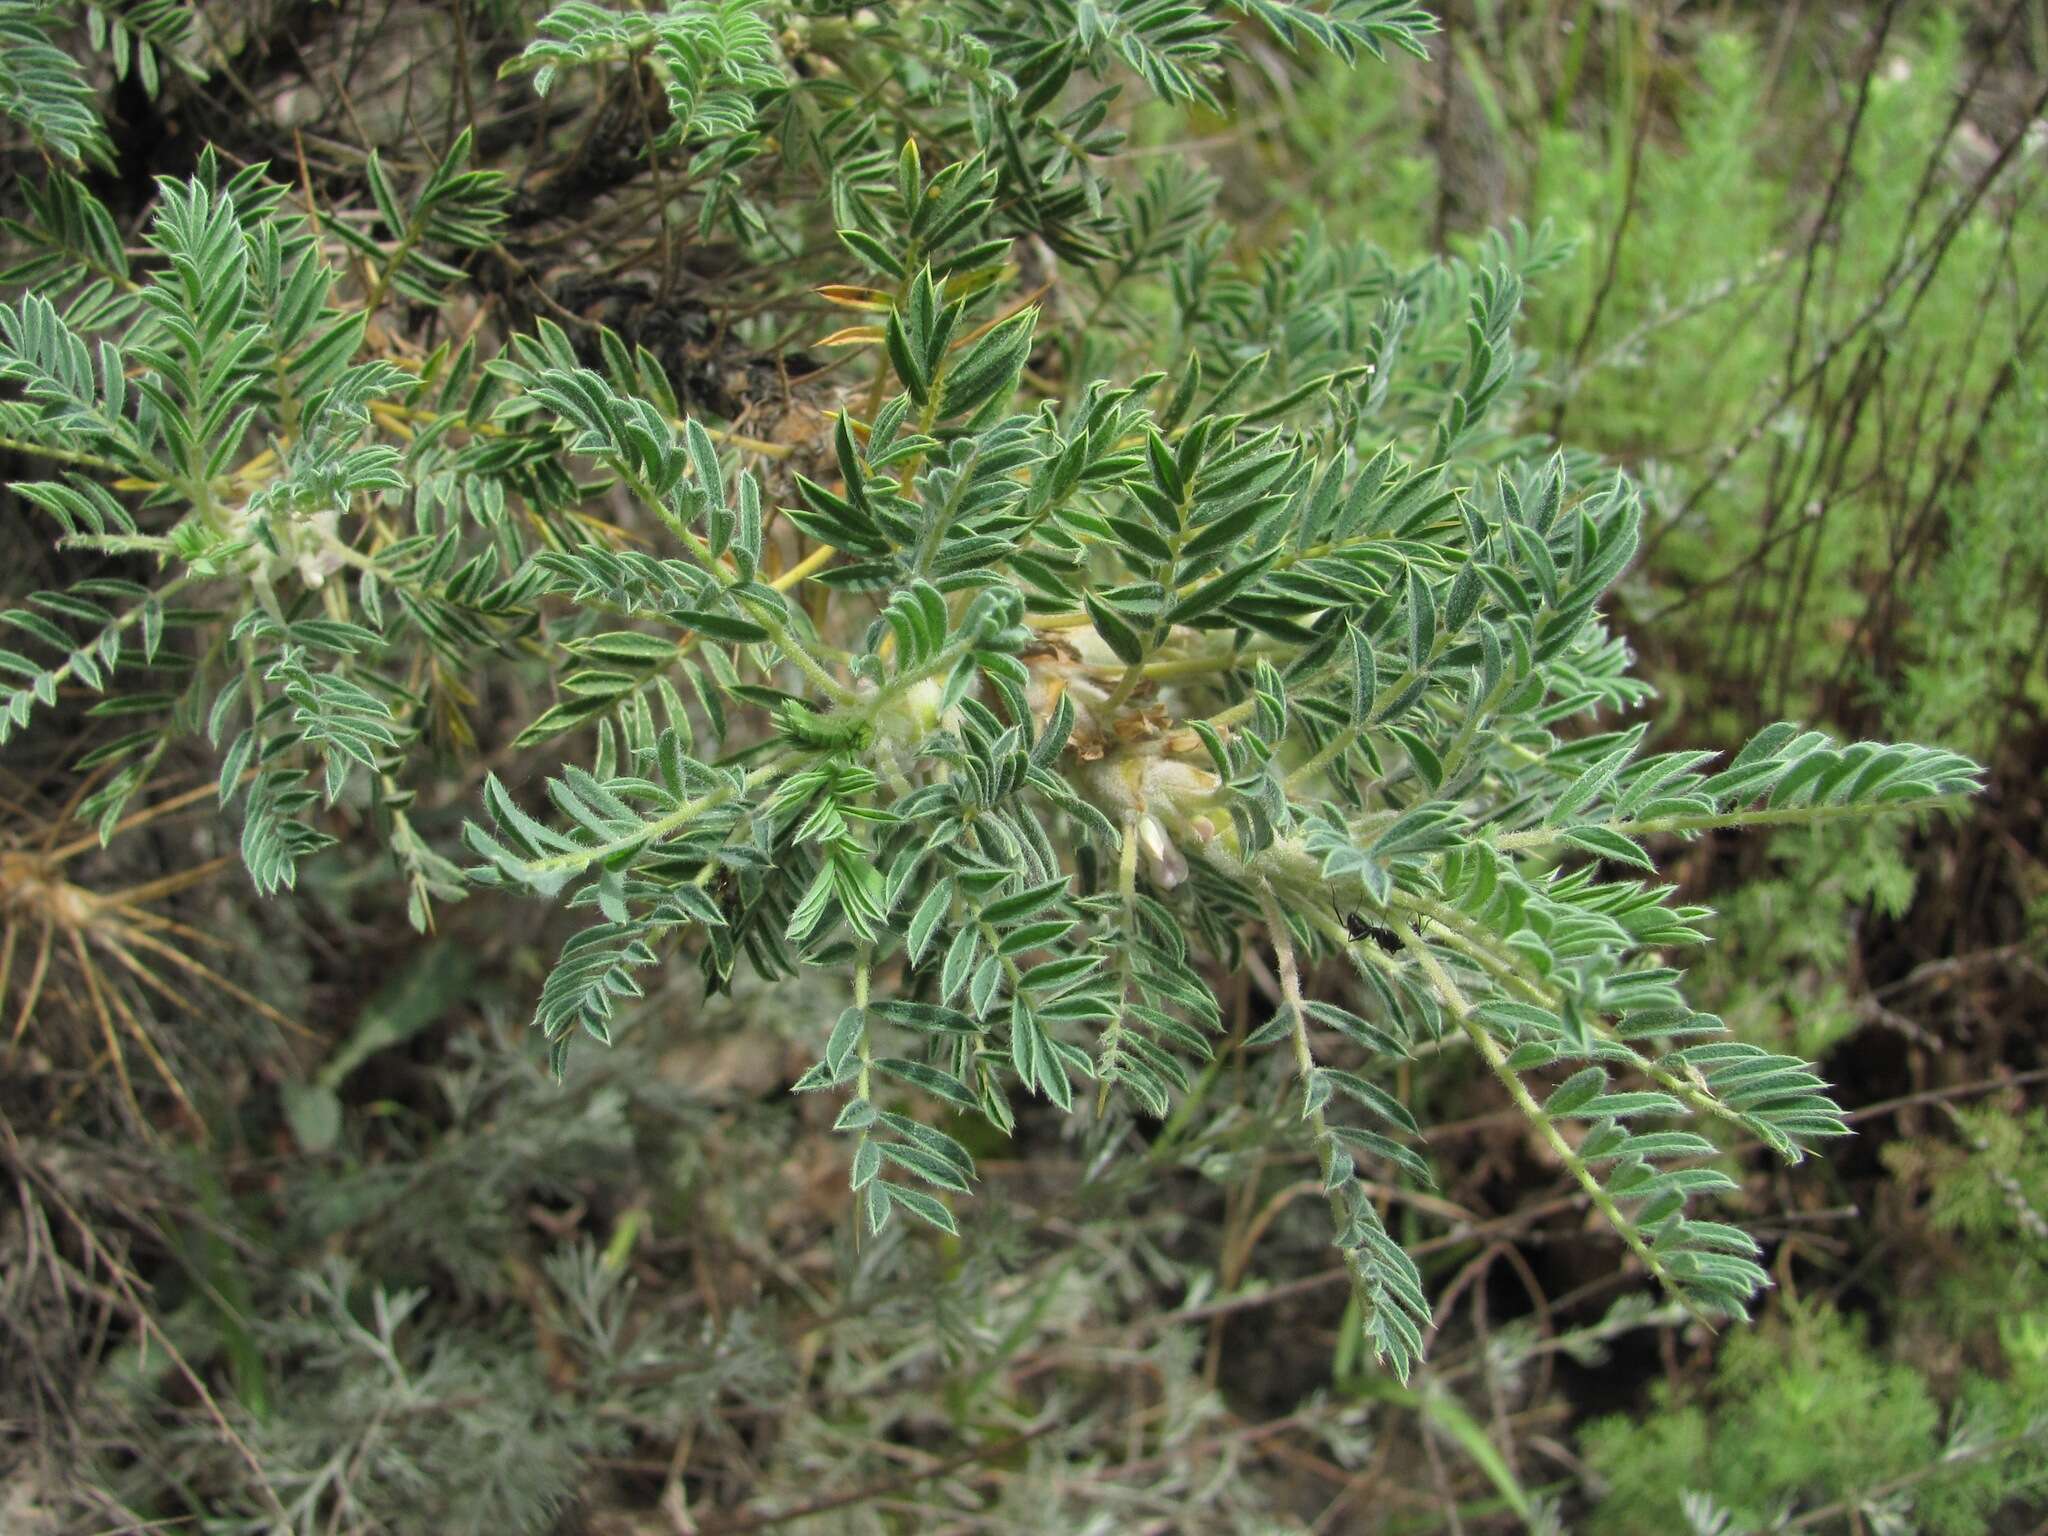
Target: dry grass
[(86, 972)]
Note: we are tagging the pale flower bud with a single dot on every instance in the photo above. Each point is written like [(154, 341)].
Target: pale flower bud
[(1164, 862)]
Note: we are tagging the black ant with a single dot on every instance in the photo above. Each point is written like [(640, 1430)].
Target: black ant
[(1364, 928)]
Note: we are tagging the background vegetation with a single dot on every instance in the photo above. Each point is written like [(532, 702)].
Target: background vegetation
[(303, 1235)]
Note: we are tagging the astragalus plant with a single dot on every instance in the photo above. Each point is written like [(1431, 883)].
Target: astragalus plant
[(1112, 608)]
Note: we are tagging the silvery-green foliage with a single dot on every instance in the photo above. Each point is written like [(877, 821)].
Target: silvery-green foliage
[(1091, 648), (1123, 682)]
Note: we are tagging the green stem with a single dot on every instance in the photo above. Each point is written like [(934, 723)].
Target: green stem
[(1485, 951), (62, 455), (1774, 816), (1125, 686), (1223, 719), (934, 536), (1496, 1059), (1333, 749), (121, 623), (808, 664), (1461, 745), (779, 632), (1304, 1070), (664, 826), (1127, 899), (1078, 618)]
